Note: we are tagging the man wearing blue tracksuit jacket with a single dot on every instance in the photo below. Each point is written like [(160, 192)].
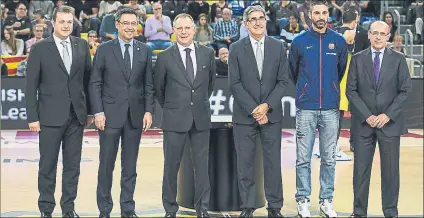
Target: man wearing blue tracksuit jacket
[(317, 63)]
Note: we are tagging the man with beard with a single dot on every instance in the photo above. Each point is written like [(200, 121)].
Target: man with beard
[(317, 63), (121, 92), (258, 84)]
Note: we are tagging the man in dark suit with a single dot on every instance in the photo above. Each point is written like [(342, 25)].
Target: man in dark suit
[(56, 103), (258, 85), (377, 87), (184, 79), (121, 92)]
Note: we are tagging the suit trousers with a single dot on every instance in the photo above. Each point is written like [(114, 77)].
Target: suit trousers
[(245, 142), (389, 165), (173, 146), (70, 136), (109, 143)]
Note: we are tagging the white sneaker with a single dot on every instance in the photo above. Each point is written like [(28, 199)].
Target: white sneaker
[(326, 209), (303, 208), (341, 156)]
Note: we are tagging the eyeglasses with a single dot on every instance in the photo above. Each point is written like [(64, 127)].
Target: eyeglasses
[(255, 20), (180, 29), (22, 9), (92, 36), (125, 23), (157, 9), (376, 33), (39, 31)]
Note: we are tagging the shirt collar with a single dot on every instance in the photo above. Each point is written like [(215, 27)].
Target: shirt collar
[(59, 41), (254, 40), (122, 43), (181, 47), (381, 50)]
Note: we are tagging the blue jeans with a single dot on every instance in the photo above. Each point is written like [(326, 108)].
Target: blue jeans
[(327, 123), (158, 45)]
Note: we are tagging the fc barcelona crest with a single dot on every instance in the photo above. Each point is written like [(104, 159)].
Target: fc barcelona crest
[(331, 46)]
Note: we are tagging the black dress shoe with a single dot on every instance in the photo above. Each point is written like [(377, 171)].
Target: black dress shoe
[(46, 215), (202, 213), (247, 212), (70, 215), (355, 215), (128, 214), (170, 215), (104, 215), (274, 213)]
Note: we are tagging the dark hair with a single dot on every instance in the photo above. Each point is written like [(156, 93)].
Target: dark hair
[(295, 15), (205, 27), (317, 2), (39, 12), (21, 3), (349, 16), (124, 10), (63, 9), (393, 18)]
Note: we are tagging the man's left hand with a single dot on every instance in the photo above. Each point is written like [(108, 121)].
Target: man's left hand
[(147, 121), (260, 111), (381, 120), (90, 120)]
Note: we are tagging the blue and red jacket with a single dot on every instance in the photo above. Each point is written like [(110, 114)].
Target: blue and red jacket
[(317, 63)]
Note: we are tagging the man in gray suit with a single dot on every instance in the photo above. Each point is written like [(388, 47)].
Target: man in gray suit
[(184, 79), (121, 92), (258, 84), (377, 86)]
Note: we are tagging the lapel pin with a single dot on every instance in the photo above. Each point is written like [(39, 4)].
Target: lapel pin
[(204, 67), (138, 48)]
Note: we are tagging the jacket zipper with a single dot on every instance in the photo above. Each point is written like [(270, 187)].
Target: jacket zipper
[(320, 71), (303, 91), (335, 87)]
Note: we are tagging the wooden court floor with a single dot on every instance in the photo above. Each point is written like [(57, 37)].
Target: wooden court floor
[(19, 165)]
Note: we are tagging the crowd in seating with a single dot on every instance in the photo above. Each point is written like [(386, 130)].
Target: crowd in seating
[(219, 22)]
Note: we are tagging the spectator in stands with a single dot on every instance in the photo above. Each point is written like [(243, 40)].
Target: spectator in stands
[(225, 31), (10, 7), (280, 12), (46, 7), (204, 33), (397, 45), (370, 7), (107, 6), (20, 22), (291, 30), (222, 62), (39, 19), (419, 22), (108, 29), (38, 35), (21, 70), (3, 15), (304, 14), (174, 7), (390, 20), (4, 70), (11, 45), (220, 5), (86, 14), (158, 29), (92, 41), (140, 9), (197, 7)]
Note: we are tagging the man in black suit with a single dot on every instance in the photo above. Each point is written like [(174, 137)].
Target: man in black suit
[(121, 92), (258, 85), (56, 94), (184, 79), (377, 86)]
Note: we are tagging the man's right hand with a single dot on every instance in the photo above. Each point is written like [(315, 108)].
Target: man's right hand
[(264, 120), (160, 30), (100, 121), (371, 120), (34, 126)]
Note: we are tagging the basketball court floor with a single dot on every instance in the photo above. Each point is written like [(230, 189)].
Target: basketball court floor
[(19, 166)]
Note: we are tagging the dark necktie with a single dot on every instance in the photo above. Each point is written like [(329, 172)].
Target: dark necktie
[(189, 64), (127, 59), (376, 65)]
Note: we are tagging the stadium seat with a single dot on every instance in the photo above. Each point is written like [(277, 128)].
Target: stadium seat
[(156, 52), (173, 38)]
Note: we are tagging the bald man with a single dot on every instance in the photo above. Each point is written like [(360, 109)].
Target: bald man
[(377, 86), (222, 62), (226, 30)]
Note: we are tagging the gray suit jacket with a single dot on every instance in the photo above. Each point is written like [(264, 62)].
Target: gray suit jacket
[(248, 89), (387, 96), (114, 92), (183, 101), (50, 89)]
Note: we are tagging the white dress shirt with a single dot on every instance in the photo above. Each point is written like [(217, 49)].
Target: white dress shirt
[(380, 56), (192, 55), (59, 46), (253, 41)]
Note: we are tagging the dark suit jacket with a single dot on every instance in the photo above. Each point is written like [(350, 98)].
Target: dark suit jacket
[(388, 96), (183, 101), (249, 91), (361, 39), (116, 93), (47, 75)]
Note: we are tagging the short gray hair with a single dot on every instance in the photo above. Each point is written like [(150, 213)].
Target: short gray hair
[(252, 9), (182, 15)]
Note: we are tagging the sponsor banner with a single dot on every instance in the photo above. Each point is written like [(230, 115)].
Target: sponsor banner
[(13, 111)]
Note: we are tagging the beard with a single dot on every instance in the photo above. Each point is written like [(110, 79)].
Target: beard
[(320, 24)]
